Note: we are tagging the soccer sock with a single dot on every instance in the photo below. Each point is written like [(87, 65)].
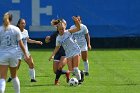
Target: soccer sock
[(77, 73), (16, 84), (86, 66), (58, 74), (32, 73), (2, 85), (82, 75)]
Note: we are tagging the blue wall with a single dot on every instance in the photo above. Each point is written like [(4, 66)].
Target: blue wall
[(104, 18)]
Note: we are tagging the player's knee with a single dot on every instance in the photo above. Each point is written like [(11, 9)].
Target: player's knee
[(60, 68)]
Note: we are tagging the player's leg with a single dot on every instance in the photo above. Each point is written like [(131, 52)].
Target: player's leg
[(15, 80), (55, 67), (70, 64), (10, 78), (30, 63), (13, 65), (58, 65), (84, 55), (77, 72), (62, 63), (3, 75)]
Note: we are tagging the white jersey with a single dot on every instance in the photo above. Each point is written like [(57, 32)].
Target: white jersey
[(9, 45), (25, 35), (70, 46), (9, 38), (80, 37)]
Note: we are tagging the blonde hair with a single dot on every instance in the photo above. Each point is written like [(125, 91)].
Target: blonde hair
[(7, 18), (57, 21)]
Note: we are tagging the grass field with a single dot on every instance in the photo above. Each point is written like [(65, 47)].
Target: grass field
[(111, 71)]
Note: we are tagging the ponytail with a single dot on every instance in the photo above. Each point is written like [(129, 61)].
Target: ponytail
[(7, 18)]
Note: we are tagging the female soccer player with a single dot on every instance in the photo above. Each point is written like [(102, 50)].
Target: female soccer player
[(21, 24), (83, 40), (59, 60), (10, 37), (71, 48)]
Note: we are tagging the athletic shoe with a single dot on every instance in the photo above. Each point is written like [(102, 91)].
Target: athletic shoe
[(79, 82), (9, 79), (33, 80), (67, 76), (56, 82), (82, 76), (86, 74)]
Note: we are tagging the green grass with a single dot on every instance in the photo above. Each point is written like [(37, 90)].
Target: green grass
[(111, 71)]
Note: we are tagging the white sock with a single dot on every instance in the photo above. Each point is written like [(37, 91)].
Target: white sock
[(86, 66), (77, 73), (32, 73), (16, 84), (2, 85)]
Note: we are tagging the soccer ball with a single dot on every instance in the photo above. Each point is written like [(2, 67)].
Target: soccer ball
[(73, 82)]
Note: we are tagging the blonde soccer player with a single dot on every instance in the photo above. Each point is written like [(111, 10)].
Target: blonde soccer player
[(71, 48), (10, 37), (82, 38)]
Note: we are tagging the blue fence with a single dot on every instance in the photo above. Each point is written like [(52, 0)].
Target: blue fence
[(104, 18)]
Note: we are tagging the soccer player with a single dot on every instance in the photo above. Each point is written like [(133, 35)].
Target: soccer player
[(59, 60), (10, 37), (71, 48), (21, 25), (82, 38)]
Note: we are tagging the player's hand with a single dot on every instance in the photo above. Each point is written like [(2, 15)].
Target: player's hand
[(89, 47), (39, 42), (51, 57), (75, 18), (47, 39)]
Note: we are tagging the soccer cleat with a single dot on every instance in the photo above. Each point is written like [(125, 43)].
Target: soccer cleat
[(79, 82), (67, 76), (9, 79), (86, 74), (82, 76), (33, 80), (56, 82)]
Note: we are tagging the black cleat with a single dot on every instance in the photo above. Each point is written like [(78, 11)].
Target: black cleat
[(33, 80), (82, 76), (86, 74), (79, 82), (9, 79)]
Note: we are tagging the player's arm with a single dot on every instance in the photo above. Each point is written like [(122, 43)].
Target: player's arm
[(77, 24), (51, 38), (34, 41), (88, 40), (54, 52)]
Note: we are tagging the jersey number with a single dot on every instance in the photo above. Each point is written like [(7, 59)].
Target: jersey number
[(8, 40)]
